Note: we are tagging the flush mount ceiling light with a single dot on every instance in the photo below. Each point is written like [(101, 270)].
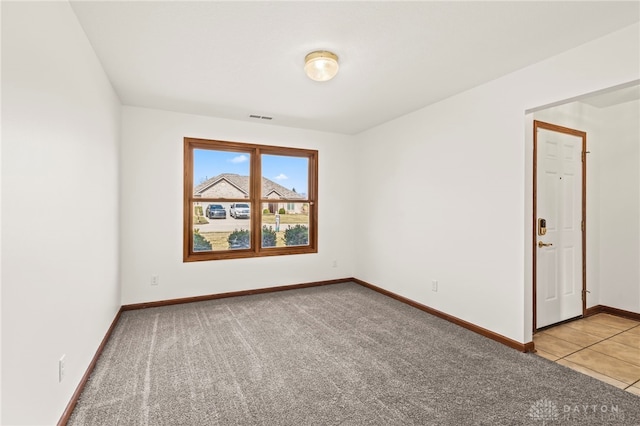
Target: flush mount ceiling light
[(321, 65)]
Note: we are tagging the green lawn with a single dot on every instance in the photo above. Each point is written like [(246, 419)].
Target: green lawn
[(199, 220), (219, 240), (286, 219)]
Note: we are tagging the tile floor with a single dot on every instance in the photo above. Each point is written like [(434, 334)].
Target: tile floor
[(603, 346)]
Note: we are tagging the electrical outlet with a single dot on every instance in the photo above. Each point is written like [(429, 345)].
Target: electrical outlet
[(335, 264), (155, 280), (434, 285), (61, 367)]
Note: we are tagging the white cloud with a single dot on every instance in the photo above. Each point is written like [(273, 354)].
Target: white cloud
[(239, 159), (281, 176)]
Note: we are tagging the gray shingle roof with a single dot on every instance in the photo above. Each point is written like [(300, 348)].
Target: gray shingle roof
[(242, 183)]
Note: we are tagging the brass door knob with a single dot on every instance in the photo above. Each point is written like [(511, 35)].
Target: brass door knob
[(541, 244)]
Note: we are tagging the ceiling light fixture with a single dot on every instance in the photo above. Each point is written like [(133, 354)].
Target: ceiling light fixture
[(321, 65)]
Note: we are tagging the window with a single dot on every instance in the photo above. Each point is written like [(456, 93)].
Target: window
[(245, 200)]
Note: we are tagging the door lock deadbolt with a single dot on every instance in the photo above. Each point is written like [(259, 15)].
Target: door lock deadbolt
[(542, 226)]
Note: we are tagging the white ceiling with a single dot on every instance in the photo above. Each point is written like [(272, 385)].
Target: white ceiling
[(233, 59)]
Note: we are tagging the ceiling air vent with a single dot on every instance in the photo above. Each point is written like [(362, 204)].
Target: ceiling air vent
[(260, 117)]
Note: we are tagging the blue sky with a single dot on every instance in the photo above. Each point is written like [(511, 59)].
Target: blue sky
[(290, 172)]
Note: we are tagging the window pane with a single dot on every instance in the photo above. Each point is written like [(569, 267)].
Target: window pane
[(283, 226), (220, 174), (214, 229), (285, 177), (223, 189)]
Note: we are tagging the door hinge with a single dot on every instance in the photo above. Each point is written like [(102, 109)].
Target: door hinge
[(582, 226)]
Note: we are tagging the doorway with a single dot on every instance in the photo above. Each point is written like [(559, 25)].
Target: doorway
[(559, 222)]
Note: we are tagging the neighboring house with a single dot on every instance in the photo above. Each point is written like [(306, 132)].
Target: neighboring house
[(229, 185), (226, 185)]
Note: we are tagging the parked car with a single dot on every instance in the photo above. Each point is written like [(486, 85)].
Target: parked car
[(239, 210), (216, 211)]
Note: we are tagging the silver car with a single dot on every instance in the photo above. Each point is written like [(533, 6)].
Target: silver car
[(216, 211), (239, 210)]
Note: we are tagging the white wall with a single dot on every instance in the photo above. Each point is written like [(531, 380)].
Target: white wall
[(620, 207), (456, 177), (151, 213), (60, 131), (0, 226)]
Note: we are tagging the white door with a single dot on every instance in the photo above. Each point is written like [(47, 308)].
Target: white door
[(559, 261)]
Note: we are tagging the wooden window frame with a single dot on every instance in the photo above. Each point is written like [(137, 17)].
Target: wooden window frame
[(255, 200)]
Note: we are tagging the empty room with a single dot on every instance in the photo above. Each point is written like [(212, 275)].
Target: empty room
[(292, 213)]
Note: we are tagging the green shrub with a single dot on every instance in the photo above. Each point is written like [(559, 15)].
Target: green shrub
[(265, 211), (239, 239), (268, 236), (199, 242), (296, 236), (282, 211)]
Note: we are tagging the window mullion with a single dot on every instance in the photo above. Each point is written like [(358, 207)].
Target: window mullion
[(256, 190)]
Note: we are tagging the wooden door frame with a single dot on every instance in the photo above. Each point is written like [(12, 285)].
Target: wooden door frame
[(583, 135)]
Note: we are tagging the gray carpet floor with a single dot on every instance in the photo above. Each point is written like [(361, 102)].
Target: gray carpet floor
[(333, 355)]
